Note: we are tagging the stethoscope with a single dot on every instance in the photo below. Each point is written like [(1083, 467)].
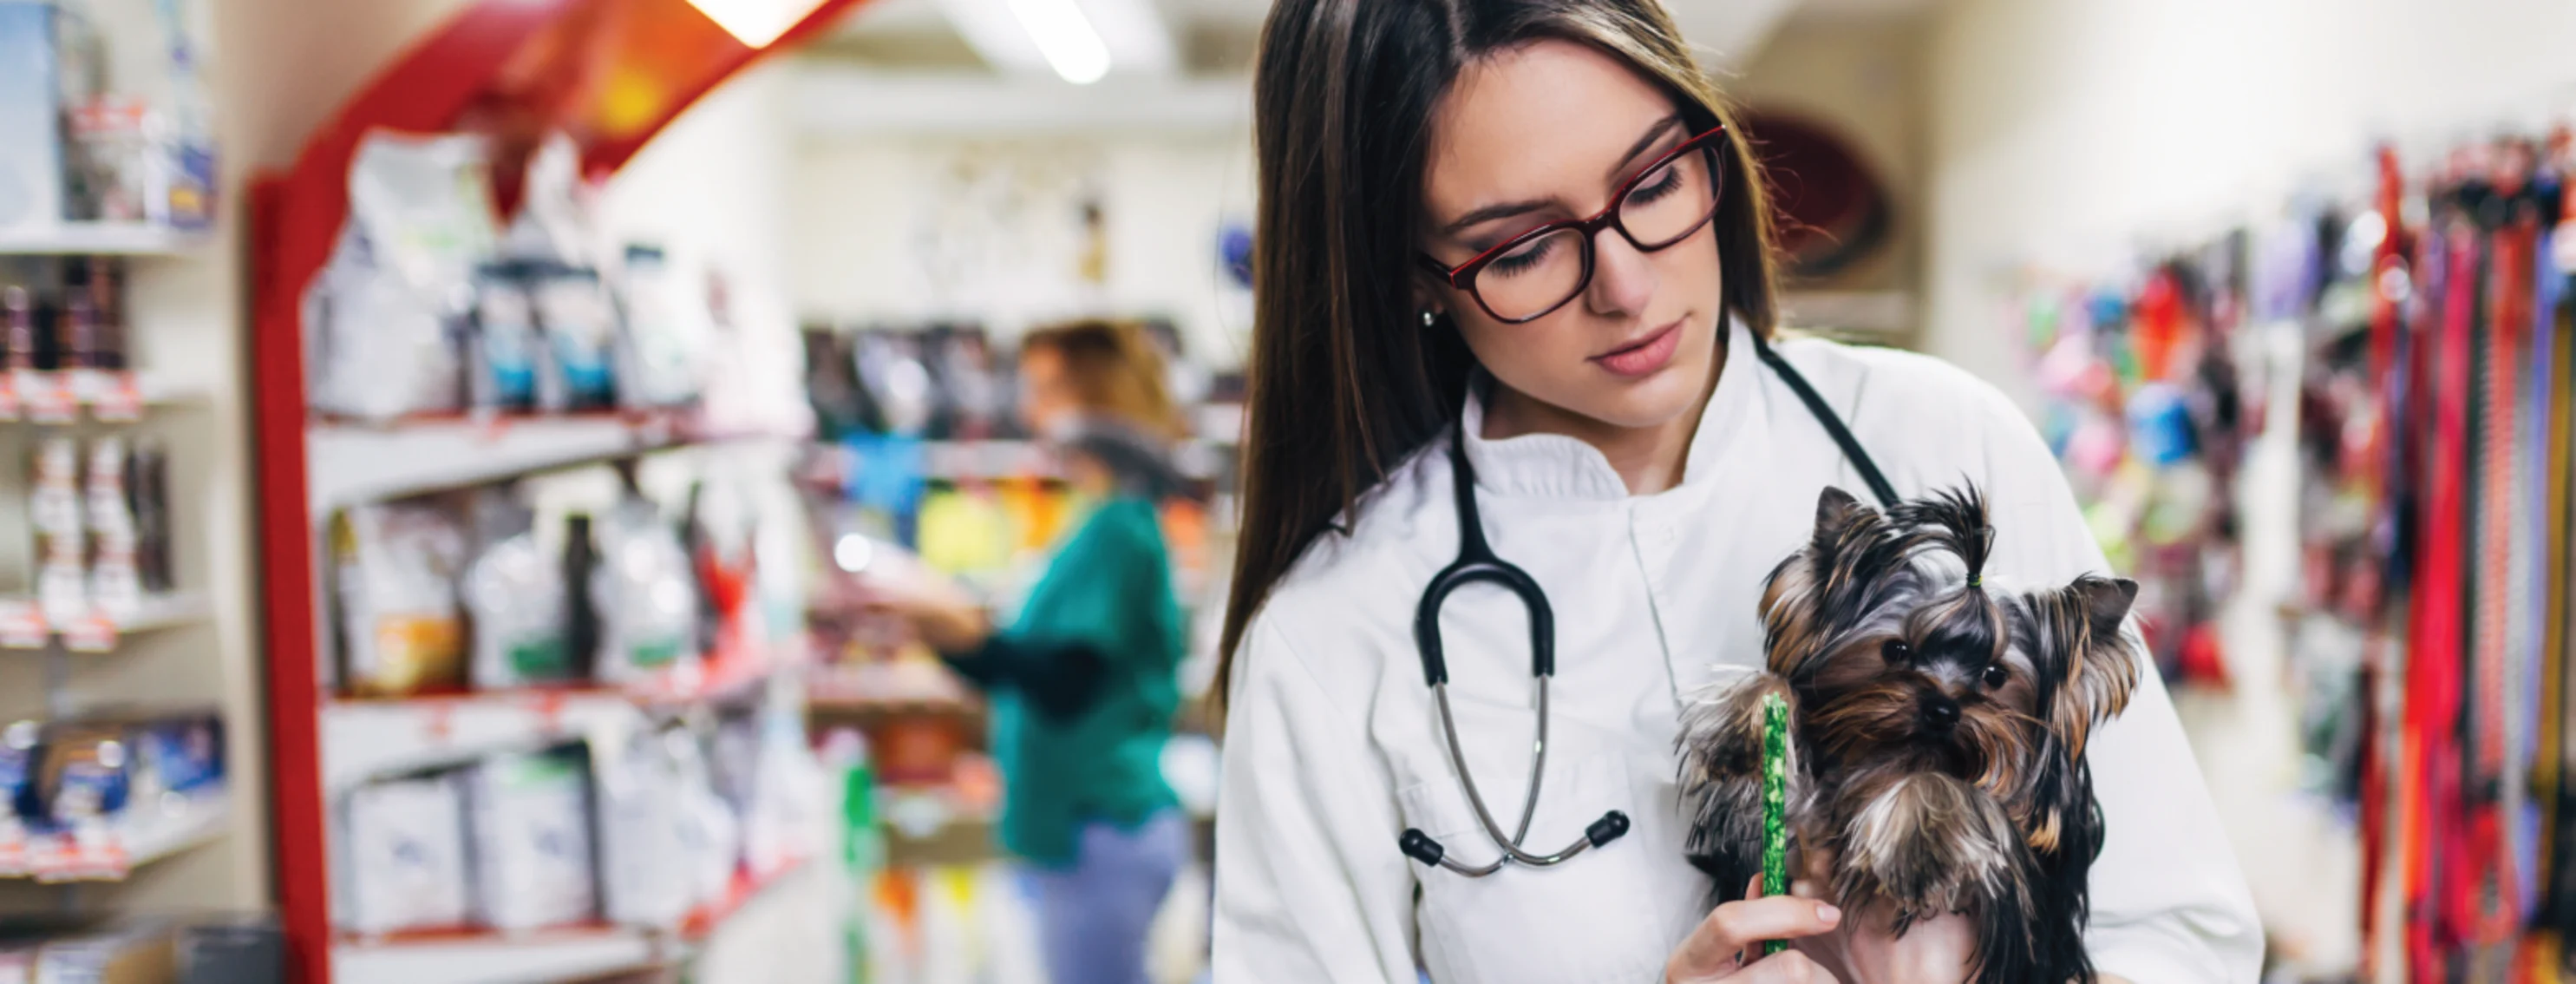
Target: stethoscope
[(1477, 563)]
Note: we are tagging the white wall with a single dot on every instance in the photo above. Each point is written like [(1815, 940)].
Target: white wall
[(2065, 133), (868, 206)]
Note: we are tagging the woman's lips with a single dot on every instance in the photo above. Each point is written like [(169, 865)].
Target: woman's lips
[(1644, 356)]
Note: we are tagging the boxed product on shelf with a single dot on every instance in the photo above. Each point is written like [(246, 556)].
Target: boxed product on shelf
[(64, 340), (47, 66), (529, 818), (17, 778), (402, 857), (395, 568), (92, 790)]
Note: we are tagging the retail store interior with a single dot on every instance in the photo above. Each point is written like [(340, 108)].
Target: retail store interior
[(444, 432)]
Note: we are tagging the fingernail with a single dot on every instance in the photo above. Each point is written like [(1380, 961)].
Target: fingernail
[(1827, 913)]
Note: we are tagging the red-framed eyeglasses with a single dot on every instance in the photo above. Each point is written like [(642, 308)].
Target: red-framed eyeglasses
[(1534, 273)]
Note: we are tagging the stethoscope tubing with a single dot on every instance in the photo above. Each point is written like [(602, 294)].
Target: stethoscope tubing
[(1476, 561)]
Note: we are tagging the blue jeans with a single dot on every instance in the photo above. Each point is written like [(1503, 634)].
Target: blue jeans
[(1093, 916)]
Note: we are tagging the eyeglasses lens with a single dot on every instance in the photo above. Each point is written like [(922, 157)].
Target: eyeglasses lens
[(1664, 207)]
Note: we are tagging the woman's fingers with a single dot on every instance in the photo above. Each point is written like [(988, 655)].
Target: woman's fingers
[(1713, 950)]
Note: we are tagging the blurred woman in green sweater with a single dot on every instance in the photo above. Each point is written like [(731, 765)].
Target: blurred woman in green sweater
[(1082, 683)]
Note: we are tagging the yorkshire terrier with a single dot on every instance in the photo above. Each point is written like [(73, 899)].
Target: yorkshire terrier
[(1937, 732)]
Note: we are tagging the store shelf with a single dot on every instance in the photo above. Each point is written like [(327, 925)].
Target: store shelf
[(542, 956), (181, 824), (365, 739), (103, 239), (348, 464), (23, 624), (546, 955)]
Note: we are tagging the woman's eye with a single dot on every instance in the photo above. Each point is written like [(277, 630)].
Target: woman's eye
[(1523, 257), (1664, 181), (1896, 651), (1996, 675)]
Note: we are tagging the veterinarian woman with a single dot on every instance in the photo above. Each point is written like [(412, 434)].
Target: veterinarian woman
[(1634, 451)]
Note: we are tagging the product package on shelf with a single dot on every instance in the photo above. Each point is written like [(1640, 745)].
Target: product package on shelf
[(394, 571), (530, 825), (514, 592), (648, 822), (88, 794), (403, 862), (644, 597), (390, 307), (48, 56), (64, 340)]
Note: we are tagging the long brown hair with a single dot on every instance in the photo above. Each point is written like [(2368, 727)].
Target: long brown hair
[(1345, 382), (1114, 369)]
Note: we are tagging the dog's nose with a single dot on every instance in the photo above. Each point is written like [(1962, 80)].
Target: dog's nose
[(1941, 713)]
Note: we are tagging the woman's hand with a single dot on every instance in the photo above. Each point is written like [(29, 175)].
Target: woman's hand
[(895, 584), (1719, 948)]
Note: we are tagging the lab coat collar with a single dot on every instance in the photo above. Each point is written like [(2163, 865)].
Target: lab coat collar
[(1555, 466)]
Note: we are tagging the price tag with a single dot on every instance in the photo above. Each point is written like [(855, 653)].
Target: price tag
[(48, 396), (114, 395), (97, 855), (22, 625), (95, 633), (550, 708), (439, 724)]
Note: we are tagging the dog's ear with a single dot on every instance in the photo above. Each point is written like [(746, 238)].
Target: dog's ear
[(2107, 601), (1835, 510), (2087, 662)]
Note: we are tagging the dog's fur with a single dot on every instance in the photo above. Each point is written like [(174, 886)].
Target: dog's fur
[(1875, 631)]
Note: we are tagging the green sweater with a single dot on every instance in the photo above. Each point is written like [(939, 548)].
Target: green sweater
[(1109, 588)]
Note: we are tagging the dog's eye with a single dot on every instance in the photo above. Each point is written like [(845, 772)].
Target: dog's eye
[(1996, 674), (1896, 651)]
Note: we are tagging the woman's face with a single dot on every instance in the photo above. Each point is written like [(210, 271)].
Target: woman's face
[(1549, 131), (1046, 393)]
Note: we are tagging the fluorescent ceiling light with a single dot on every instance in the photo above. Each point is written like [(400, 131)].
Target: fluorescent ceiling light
[(1065, 37), (1079, 41), (756, 23)]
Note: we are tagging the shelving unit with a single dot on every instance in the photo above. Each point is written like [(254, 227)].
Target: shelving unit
[(486, 51), (68, 659)]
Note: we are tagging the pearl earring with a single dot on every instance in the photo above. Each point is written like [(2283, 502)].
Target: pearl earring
[(1429, 317)]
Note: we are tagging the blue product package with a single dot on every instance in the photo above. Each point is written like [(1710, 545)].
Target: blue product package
[(32, 183), (506, 341), (580, 322), (187, 753)]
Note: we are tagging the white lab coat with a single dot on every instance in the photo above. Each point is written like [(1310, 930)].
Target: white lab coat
[(1333, 745)]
